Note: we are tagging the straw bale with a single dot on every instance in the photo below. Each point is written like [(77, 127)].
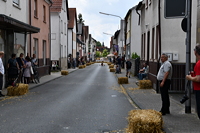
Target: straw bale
[(64, 72), (144, 121), (145, 84), (123, 80), (111, 66), (109, 63), (80, 66), (112, 69), (19, 90), (87, 64)]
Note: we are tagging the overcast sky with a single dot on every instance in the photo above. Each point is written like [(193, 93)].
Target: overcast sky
[(99, 23)]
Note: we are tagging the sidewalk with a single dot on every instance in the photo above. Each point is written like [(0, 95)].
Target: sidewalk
[(176, 122)]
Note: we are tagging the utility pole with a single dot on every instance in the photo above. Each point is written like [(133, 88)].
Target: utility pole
[(188, 54)]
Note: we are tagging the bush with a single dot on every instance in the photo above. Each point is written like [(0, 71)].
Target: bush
[(135, 55)]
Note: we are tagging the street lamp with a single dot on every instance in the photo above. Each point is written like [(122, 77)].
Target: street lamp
[(122, 28), (110, 15), (107, 34)]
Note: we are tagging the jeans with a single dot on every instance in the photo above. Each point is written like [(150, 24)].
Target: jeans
[(142, 75)]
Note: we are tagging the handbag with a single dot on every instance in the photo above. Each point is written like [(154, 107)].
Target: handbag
[(31, 69)]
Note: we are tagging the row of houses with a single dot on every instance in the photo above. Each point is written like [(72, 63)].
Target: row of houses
[(47, 28), (149, 33)]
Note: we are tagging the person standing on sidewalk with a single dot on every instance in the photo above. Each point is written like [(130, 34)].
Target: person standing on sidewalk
[(164, 77), (195, 78), (1, 72), (128, 68)]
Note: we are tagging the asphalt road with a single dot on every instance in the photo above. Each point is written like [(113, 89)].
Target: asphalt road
[(86, 101)]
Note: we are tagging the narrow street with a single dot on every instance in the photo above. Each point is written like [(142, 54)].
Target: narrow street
[(86, 101)]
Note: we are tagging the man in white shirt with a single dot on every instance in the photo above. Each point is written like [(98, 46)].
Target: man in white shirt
[(1, 72), (164, 77)]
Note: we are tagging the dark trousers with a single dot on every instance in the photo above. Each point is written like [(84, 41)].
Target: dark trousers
[(165, 96), (1, 81), (197, 94)]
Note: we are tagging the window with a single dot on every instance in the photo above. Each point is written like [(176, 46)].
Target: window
[(146, 4), (35, 8), (44, 52), (19, 46), (65, 52), (157, 41), (35, 47), (152, 44), (61, 26), (16, 2), (44, 13), (65, 28), (61, 51)]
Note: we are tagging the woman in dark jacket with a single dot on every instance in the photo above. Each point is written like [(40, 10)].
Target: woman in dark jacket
[(13, 68)]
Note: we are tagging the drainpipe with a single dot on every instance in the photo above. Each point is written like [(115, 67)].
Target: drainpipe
[(60, 39), (139, 17), (159, 27), (50, 38), (30, 37)]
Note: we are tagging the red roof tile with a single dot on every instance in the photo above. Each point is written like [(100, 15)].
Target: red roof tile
[(56, 6), (72, 17)]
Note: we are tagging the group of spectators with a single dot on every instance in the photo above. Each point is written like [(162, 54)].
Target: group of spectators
[(18, 67), (71, 62)]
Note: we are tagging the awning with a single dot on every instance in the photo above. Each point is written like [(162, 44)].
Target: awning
[(8, 23), (79, 41)]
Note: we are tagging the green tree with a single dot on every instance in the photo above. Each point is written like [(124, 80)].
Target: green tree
[(80, 19), (98, 54), (98, 44), (105, 52)]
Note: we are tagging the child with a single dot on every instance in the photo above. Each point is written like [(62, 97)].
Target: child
[(117, 69), (102, 63)]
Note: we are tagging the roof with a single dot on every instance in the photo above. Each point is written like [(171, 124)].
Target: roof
[(140, 5), (116, 34), (56, 6), (72, 17)]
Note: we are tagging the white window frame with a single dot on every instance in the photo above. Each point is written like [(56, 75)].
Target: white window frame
[(61, 26), (35, 8), (35, 50)]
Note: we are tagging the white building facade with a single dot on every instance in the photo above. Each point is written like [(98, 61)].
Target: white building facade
[(59, 35), (164, 35)]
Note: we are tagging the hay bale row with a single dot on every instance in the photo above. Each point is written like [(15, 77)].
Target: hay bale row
[(19, 90), (81, 67), (64, 72), (123, 80), (112, 69), (144, 121), (87, 64), (145, 84), (111, 66), (109, 63)]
